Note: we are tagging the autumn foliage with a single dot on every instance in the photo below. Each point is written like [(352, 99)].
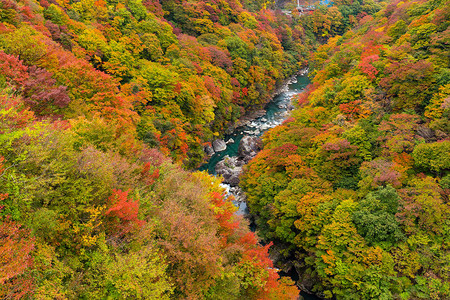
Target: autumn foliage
[(125, 211), (102, 105), (354, 184)]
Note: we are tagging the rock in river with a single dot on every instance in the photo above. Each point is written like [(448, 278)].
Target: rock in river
[(219, 145), (249, 147), (230, 168), (209, 150)]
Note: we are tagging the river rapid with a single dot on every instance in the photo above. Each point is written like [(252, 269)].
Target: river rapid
[(276, 111)]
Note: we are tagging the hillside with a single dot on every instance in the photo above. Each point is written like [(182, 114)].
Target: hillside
[(354, 187), (173, 74), (106, 107), (102, 105)]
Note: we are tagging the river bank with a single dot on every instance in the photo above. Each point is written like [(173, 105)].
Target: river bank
[(257, 122), (241, 139), (253, 125), (260, 113)]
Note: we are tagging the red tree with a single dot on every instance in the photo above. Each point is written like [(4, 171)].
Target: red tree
[(15, 257), (123, 213)]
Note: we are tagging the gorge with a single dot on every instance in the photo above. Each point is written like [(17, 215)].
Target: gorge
[(109, 107), (232, 159), (273, 114)]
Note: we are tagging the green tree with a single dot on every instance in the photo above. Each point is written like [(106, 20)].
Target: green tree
[(433, 156)]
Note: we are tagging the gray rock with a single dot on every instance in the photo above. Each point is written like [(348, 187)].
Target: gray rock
[(304, 71), (230, 141), (238, 193), (230, 169), (279, 260), (219, 145), (305, 281), (230, 129), (249, 147), (240, 163), (209, 150)]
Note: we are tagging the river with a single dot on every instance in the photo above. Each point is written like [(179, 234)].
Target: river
[(276, 112)]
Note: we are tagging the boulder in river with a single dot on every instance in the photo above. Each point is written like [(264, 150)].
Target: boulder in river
[(238, 193), (219, 145), (209, 150), (230, 168), (249, 147)]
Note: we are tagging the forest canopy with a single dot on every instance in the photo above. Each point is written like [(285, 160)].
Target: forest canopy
[(354, 186), (106, 107), (102, 106)]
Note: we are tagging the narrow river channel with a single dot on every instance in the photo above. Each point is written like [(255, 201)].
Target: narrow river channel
[(276, 112)]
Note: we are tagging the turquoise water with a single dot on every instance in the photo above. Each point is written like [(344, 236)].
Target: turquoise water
[(276, 113)]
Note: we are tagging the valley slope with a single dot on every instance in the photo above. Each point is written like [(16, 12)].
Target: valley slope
[(354, 187)]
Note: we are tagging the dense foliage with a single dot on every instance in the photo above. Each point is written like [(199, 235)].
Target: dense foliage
[(173, 73), (79, 222), (355, 185), (94, 96)]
